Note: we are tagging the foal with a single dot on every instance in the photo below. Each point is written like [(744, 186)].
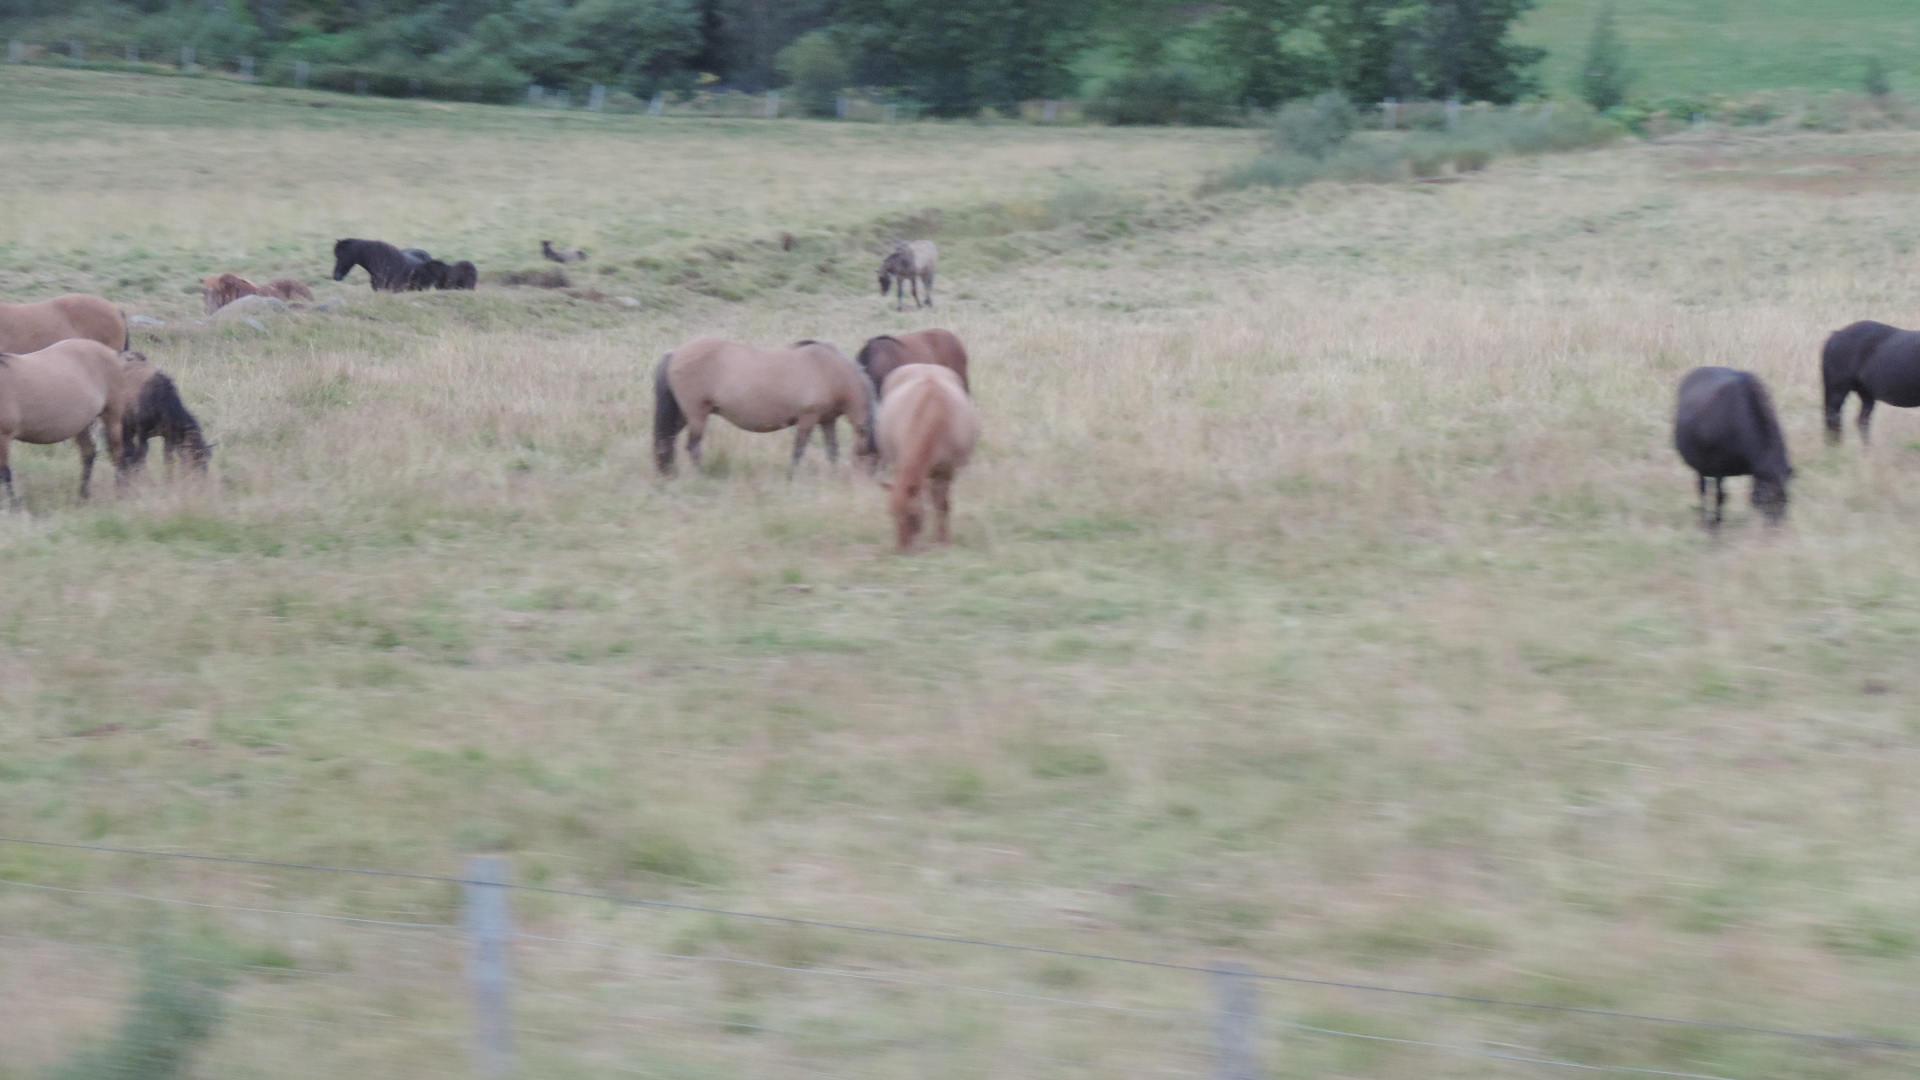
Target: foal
[(910, 263)]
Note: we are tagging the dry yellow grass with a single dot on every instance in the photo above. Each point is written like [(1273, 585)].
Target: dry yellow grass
[(1326, 590)]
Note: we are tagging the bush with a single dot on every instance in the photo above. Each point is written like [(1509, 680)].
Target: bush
[(1604, 77), (173, 1011), (1313, 129), (1876, 83), (817, 71), (1164, 95)]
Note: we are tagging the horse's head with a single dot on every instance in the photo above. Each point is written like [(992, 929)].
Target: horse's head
[(1770, 495), (345, 254), (886, 280)]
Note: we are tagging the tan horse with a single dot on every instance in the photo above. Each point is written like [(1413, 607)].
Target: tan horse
[(806, 384), (879, 356), (219, 290), (910, 263), (927, 429), (26, 328), (57, 393)]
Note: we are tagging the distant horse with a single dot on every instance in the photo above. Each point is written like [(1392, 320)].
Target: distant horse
[(1724, 425), (806, 384), (909, 264), (56, 394), (927, 428), (1876, 361), (429, 274), (880, 355), (390, 268), (561, 255), (219, 290), (26, 328), (463, 275)]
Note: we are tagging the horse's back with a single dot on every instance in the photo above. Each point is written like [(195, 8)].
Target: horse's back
[(943, 347), (1889, 365), (1724, 423), (26, 328), (927, 402), (760, 389), (923, 255)]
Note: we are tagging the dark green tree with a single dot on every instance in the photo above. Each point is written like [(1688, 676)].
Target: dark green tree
[(1603, 74), (1466, 52), (964, 54), (1877, 84)]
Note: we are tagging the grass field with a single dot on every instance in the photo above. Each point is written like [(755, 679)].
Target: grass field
[(1700, 47), (1326, 591)]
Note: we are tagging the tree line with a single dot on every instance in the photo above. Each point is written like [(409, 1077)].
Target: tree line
[(952, 57)]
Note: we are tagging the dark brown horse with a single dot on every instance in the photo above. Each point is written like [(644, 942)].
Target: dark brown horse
[(1876, 361), (880, 355), (463, 275), (1724, 425)]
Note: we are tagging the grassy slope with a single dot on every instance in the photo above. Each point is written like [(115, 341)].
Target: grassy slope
[(1732, 46), (1325, 590)]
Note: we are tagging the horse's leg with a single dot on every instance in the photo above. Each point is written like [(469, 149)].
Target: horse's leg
[(6, 471), (84, 441), (937, 490), (1836, 404), (1866, 413), (1719, 499), (696, 430), (830, 434), (1700, 484), (803, 431), (929, 288)]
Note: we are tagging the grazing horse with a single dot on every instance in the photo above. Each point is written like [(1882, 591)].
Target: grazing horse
[(927, 428), (880, 355), (390, 268), (56, 394), (1876, 361), (463, 275), (806, 384), (429, 274), (26, 328), (151, 408), (909, 263), (1724, 426), (561, 255), (219, 290)]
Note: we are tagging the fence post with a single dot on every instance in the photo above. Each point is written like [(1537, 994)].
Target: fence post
[(534, 93), (841, 106), (488, 928), (299, 74), (360, 85), (1235, 1025), (15, 54), (1390, 113), (887, 113), (596, 98), (1453, 112), (246, 68), (773, 104), (564, 99), (186, 58), (1049, 111), (75, 50), (133, 54)]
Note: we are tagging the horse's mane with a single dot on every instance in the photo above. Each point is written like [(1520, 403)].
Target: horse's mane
[(865, 357), (1761, 402)]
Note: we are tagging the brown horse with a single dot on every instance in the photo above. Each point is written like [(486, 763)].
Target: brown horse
[(910, 263), (26, 328), (806, 384), (219, 290), (927, 429), (879, 356)]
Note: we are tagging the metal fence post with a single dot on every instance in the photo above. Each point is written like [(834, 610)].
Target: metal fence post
[(75, 50), (657, 105), (15, 54), (1236, 1008), (596, 98), (534, 93), (887, 113), (842, 105), (133, 54), (246, 68), (360, 84), (186, 58), (773, 104), (488, 928), (1049, 110)]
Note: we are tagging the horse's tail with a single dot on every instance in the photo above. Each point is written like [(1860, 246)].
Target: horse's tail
[(668, 419), (159, 411), (126, 330)]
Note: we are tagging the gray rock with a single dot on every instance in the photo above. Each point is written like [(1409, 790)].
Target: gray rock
[(145, 320), (242, 309), (331, 303), (255, 323), (628, 301)]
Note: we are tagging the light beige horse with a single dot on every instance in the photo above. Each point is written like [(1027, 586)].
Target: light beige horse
[(56, 394), (909, 263), (26, 328), (927, 430), (804, 385)]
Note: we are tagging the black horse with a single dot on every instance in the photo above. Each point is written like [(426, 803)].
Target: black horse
[(430, 274), (1876, 361), (1725, 426), (390, 268), (462, 275)]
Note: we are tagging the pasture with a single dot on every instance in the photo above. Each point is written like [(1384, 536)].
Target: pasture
[(1325, 588)]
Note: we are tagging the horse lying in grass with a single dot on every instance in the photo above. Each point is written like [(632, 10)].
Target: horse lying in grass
[(927, 430), (219, 290), (1724, 425), (805, 385), (26, 328), (1876, 361), (909, 263), (881, 355), (55, 394), (561, 255)]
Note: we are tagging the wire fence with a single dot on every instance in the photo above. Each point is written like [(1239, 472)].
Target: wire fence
[(475, 974)]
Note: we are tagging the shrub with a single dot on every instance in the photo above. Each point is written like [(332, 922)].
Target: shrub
[(1163, 95), (173, 1011), (1604, 76), (817, 71), (1876, 83), (1313, 129)]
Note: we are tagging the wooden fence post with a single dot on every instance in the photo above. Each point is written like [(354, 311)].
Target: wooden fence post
[(299, 74), (1235, 1022), (488, 928)]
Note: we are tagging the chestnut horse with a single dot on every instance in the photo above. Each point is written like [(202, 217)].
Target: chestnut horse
[(56, 394), (806, 384), (26, 328), (927, 429), (879, 356), (909, 263), (219, 290)]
